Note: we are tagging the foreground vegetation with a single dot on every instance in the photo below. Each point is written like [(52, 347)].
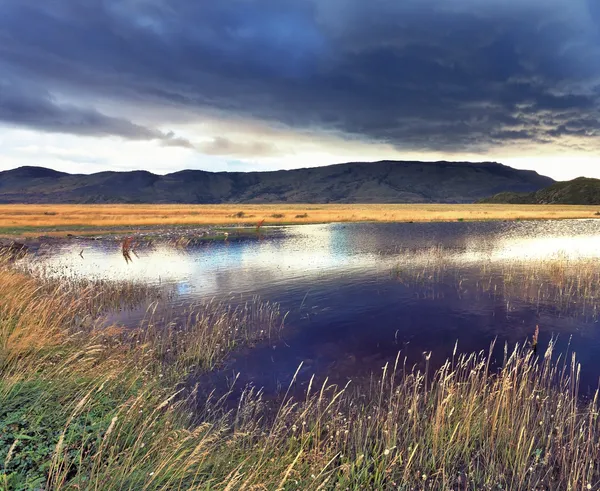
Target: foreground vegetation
[(86, 407), (23, 219)]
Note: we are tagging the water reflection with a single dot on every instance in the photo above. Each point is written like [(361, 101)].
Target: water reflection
[(357, 293), (221, 268)]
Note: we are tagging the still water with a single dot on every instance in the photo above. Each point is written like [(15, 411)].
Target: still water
[(356, 294)]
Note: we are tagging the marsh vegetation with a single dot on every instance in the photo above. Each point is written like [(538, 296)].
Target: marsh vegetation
[(569, 285), (102, 407), (89, 403)]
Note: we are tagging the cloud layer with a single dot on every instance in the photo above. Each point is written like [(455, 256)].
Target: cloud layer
[(421, 75), (27, 105)]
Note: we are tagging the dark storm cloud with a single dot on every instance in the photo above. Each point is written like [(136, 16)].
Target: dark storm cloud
[(420, 74), (28, 105)]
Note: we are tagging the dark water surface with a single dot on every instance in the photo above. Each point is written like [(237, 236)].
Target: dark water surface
[(358, 293)]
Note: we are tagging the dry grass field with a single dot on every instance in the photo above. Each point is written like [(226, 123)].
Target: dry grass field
[(24, 217)]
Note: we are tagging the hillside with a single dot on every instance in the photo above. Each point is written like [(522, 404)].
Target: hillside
[(580, 191), (363, 182)]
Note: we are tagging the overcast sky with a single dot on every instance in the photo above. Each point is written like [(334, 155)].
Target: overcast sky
[(163, 85)]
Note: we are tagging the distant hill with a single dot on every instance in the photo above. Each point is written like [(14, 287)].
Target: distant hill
[(361, 182), (580, 191)]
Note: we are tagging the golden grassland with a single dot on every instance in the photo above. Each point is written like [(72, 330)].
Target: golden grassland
[(111, 216), (97, 408)]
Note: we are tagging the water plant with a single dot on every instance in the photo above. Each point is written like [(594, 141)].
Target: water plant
[(570, 285), (535, 338)]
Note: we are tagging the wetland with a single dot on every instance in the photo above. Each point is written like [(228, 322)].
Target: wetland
[(323, 356)]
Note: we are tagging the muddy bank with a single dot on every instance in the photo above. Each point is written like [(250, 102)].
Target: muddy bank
[(175, 236)]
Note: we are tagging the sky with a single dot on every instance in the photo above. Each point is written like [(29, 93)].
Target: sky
[(241, 85)]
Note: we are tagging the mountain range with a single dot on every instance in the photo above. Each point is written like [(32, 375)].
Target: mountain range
[(357, 182)]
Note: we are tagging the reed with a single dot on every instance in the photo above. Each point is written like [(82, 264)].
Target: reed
[(200, 336), (103, 409), (570, 285)]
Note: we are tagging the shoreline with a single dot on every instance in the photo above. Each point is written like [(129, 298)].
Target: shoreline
[(27, 221), (17, 244)]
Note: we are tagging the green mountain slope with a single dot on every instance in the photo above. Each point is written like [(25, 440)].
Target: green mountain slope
[(362, 182), (580, 191)]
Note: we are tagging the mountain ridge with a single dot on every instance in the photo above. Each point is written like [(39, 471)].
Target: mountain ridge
[(579, 191), (354, 182)]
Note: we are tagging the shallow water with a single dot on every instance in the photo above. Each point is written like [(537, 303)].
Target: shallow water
[(358, 293)]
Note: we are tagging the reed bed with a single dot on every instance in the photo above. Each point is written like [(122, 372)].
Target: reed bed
[(570, 285), (199, 337), (99, 295), (103, 409)]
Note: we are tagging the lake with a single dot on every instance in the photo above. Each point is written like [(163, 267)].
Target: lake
[(356, 294)]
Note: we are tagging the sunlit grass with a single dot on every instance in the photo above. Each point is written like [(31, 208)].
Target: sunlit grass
[(569, 285), (23, 218)]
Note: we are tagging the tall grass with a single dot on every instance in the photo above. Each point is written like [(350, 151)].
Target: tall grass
[(203, 334), (569, 285), (94, 410)]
